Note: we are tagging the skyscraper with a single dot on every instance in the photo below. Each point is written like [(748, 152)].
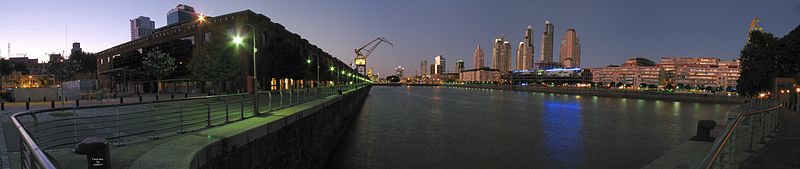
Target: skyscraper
[(423, 67), (440, 67), (501, 54), (459, 66), (478, 57), (399, 71), (141, 26), (525, 51), (547, 43), (181, 13), (570, 52)]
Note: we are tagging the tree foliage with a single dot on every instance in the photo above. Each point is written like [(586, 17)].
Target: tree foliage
[(758, 64), (158, 64), (214, 63)]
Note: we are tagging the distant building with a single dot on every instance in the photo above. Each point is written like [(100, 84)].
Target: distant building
[(423, 68), (480, 75), (635, 71), (701, 71), (478, 58), (547, 43), (755, 25), (459, 66), (555, 76), (440, 65), (33, 65), (501, 55), (570, 53), (399, 71), (142, 26), (181, 13), (525, 51), (76, 47)]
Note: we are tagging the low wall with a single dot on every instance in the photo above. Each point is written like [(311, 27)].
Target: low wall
[(36, 94), (303, 141), (684, 97)]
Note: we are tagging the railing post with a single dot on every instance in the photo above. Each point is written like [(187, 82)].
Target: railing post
[(290, 97), (281, 100), (241, 108), (75, 125), (226, 110), (119, 134), (269, 94), (208, 112), (180, 118), (153, 120)]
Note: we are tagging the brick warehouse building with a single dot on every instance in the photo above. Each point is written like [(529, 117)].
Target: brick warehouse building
[(281, 55)]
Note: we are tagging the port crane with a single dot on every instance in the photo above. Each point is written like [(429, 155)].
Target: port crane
[(362, 54)]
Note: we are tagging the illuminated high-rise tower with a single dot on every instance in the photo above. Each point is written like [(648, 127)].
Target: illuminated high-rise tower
[(478, 57), (501, 55), (754, 26), (423, 67), (547, 43), (570, 53), (525, 51)]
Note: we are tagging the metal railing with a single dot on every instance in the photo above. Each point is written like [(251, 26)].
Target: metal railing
[(745, 134), (120, 124)]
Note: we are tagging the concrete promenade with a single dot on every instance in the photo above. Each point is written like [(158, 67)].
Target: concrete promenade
[(179, 151), (9, 139), (784, 152)]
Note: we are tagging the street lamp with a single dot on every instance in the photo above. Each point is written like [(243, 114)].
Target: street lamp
[(238, 40)]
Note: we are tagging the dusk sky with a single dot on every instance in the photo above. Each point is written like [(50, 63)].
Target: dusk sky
[(609, 31)]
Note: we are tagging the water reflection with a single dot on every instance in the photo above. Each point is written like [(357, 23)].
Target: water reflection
[(428, 127)]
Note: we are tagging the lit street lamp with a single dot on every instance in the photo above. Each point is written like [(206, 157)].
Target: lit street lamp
[(238, 40)]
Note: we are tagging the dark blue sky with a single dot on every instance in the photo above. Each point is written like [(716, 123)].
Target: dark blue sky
[(610, 31)]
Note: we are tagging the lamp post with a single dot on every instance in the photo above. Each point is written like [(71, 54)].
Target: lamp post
[(238, 40)]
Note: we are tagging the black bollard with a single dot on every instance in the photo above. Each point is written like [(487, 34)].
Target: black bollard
[(97, 152), (156, 97), (140, 98), (44, 99), (172, 96), (52, 104), (29, 99), (77, 102), (3, 106), (27, 105), (185, 95), (120, 100), (704, 130)]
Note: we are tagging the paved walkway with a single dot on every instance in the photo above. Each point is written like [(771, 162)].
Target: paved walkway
[(10, 137), (783, 152)]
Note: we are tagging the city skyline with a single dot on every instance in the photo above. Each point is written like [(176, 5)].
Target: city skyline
[(624, 28)]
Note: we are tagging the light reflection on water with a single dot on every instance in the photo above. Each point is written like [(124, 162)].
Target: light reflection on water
[(429, 127)]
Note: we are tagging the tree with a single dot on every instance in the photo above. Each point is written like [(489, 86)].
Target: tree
[(159, 65), (642, 85), (214, 63), (62, 68), (758, 64), (87, 62), (669, 87)]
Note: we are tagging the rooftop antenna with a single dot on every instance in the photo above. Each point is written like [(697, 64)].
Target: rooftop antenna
[(66, 45)]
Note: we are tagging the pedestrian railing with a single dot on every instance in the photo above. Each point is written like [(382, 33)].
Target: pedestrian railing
[(120, 124), (746, 133)]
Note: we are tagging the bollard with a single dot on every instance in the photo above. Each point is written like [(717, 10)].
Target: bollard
[(140, 98), (29, 99), (185, 95), (97, 152), (704, 130), (27, 105), (3, 106), (44, 99), (156, 96), (172, 96), (52, 104), (120, 100), (77, 102)]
